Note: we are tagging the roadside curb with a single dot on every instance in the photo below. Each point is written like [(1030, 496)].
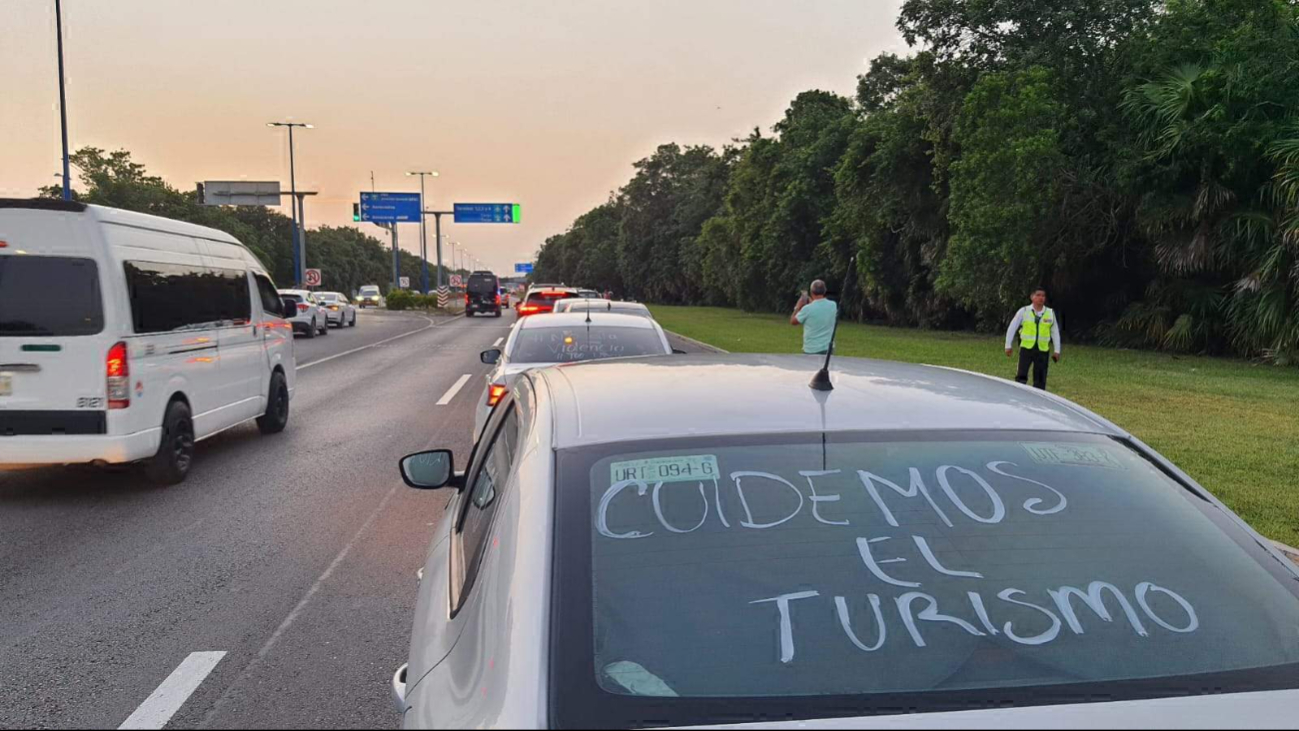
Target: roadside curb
[(1290, 552), (691, 341)]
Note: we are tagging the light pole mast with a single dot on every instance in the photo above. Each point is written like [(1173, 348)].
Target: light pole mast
[(63, 103), (423, 232), (299, 256)]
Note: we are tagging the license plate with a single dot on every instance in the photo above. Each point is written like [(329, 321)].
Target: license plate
[(6, 384)]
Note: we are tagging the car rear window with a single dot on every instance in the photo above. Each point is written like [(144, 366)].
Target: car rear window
[(548, 297), (327, 297), (482, 284), (580, 343), (719, 580), (294, 297), (49, 296)]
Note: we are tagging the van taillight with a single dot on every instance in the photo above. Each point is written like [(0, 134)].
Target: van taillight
[(467, 300), (118, 368)]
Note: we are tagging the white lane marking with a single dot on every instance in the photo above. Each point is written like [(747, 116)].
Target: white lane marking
[(158, 708), (498, 342), (432, 324), (455, 389), (302, 604)]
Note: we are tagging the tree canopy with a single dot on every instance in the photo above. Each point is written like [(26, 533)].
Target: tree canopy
[(1139, 158)]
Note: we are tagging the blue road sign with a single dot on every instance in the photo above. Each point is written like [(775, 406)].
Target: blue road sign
[(487, 212), (523, 268), (390, 207)]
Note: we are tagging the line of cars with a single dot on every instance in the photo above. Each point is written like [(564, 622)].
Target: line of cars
[(706, 540), (314, 312)]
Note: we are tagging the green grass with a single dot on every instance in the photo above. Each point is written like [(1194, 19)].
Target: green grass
[(1232, 425)]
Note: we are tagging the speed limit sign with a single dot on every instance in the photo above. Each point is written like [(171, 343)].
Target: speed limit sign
[(312, 278)]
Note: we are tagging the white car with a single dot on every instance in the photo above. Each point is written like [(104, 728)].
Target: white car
[(339, 312), (312, 317), (127, 338), (707, 541), (370, 296), (581, 304), (541, 341)]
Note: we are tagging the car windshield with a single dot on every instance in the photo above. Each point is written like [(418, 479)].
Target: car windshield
[(369, 291), (582, 342), (835, 576), (47, 296)]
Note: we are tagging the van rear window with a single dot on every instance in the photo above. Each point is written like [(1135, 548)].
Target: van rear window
[(49, 296)]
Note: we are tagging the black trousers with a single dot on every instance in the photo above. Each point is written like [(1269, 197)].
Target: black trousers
[(1040, 360)]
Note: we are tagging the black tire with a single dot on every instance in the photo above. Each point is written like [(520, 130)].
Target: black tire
[(277, 406), (498, 313), (353, 322), (325, 330), (176, 451), (469, 313), (311, 330)]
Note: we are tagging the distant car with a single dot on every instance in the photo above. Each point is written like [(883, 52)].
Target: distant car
[(704, 540), (589, 294), (602, 305), (505, 297), (541, 341), (542, 301), (482, 294), (339, 312), (370, 296), (312, 317)]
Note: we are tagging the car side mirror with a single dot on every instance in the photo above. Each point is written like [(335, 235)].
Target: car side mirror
[(490, 357), (288, 307), (430, 470)]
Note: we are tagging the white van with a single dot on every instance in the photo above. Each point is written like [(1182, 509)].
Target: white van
[(126, 337)]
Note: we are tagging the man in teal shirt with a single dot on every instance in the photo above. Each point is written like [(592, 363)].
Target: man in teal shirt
[(817, 315)]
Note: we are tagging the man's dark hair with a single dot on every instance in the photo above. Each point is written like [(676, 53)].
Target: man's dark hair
[(1039, 288)]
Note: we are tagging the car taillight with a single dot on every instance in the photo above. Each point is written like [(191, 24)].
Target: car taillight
[(334, 307), (498, 299), (118, 368), (466, 298), (525, 309), (302, 307), (495, 394)]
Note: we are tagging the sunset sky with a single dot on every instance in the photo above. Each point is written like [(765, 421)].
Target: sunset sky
[(545, 104)]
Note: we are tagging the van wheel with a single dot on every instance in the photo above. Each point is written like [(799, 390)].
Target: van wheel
[(498, 313), (176, 452), (277, 406)]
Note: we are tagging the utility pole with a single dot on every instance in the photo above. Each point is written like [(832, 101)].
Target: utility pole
[(396, 259), (299, 253), (63, 104), (423, 234)]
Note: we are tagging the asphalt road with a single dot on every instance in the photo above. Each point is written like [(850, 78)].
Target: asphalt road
[(293, 554)]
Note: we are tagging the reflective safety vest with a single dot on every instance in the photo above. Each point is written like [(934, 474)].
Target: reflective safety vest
[(1035, 330)]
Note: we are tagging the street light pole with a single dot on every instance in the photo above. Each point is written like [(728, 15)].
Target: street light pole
[(63, 103), (423, 232), (299, 255)]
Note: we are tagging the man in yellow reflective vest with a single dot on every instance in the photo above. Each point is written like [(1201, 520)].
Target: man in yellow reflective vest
[(1039, 339)]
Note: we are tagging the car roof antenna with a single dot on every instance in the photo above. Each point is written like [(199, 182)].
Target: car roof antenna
[(821, 381)]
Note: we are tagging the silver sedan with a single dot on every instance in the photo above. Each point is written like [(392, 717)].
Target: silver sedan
[(705, 540)]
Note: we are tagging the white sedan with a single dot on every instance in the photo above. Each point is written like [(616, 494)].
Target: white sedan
[(582, 304), (312, 318), (707, 541), (338, 310), (565, 338)]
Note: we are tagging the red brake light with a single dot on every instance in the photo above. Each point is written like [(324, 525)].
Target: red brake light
[(498, 298), (302, 307), (495, 394), (466, 298), (118, 370)]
